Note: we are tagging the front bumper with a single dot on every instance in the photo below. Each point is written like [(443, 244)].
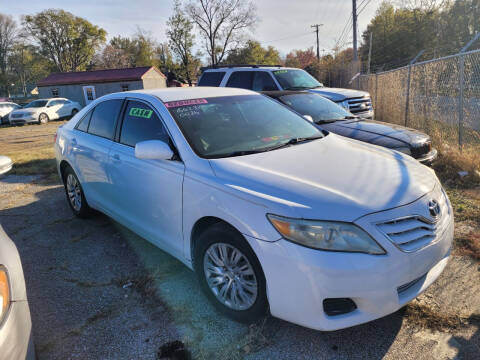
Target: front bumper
[(299, 278), (16, 340)]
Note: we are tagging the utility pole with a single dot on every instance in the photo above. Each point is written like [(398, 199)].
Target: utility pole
[(370, 52), (316, 26), (354, 17)]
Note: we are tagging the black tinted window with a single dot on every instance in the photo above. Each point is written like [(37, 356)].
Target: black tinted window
[(241, 79), (103, 118), (83, 124), (140, 123), (211, 78), (262, 81)]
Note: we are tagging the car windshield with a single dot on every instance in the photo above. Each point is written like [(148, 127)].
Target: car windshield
[(37, 104), (316, 106), (239, 125), (296, 79)]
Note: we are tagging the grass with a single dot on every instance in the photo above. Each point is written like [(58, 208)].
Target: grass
[(30, 147)]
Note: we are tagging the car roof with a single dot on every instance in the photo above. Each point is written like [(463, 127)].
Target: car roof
[(178, 93), (278, 93), (250, 68)]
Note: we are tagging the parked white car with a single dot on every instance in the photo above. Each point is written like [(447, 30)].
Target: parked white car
[(5, 109), (271, 212), (43, 110), (6, 164)]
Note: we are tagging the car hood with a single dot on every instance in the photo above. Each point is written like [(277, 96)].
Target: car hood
[(333, 178), (26, 111), (337, 94), (377, 132)]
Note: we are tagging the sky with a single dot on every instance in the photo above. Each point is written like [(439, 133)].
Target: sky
[(284, 24)]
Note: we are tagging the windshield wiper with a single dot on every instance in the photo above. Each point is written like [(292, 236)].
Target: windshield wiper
[(295, 141), (334, 120), (297, 88)]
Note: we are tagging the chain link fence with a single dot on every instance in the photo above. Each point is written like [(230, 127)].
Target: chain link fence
[(440, 97)]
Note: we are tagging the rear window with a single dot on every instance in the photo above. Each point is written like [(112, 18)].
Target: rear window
[(211, 78), (103, 118)]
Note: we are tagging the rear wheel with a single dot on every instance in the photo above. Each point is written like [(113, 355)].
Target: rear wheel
[(230, 274), (43, 118), (74, 111), (74, 192)]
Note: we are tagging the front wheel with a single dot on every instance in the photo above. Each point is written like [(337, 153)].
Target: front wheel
[(75, 197), (43, 118), (230, 274)]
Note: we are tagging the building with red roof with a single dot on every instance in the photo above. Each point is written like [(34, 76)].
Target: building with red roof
[(86, 86)]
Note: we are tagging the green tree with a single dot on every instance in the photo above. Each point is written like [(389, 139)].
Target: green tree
[(8, 36), (27, 66), (180, 39), (68, 41), (139, 50), (254, 53)]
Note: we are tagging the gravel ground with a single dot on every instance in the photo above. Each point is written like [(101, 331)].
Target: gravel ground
[(98, 291)]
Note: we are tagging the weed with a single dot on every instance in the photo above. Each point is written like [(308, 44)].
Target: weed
[(468, 245)]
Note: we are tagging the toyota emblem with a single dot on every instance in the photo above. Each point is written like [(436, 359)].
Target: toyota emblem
[(434, 208)]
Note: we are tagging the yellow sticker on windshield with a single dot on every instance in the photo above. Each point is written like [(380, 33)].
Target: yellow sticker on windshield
[(139, 112)]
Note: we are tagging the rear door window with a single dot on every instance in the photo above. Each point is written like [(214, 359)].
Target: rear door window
[(105, 114), (263, 81), (141, 123), (241, 79), (211, 78)]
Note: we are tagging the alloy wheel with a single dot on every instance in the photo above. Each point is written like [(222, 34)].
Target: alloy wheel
[(230, 276), (74, 192)]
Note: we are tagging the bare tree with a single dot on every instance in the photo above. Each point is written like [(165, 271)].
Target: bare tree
[(221, 23), (8, 35)]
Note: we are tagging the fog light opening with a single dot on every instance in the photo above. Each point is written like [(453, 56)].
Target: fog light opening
[(338, 306)]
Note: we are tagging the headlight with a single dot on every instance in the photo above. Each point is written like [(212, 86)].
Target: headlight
[(326, 235), (405, 150), (4, 293)]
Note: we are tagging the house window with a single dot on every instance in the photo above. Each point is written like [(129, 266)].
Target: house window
[(90, 94), (125, 87), (54, 92)]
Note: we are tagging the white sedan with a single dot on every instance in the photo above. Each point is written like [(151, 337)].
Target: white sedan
[(43, 110), (272, 213), (5, 109)]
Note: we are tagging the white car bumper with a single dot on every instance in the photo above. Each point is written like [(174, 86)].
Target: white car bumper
[(299, 279), (16, 340)]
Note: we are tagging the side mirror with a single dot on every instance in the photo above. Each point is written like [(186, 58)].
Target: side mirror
[(153, 149), (308, 117)]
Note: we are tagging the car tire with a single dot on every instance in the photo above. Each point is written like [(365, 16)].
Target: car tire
[(43, 118), (74, 193), (251, 302), (74, 111)]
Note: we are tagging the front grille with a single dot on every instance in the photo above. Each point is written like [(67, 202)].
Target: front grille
[(359, 105), (411, 233), (421, 149), (17, 116)]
